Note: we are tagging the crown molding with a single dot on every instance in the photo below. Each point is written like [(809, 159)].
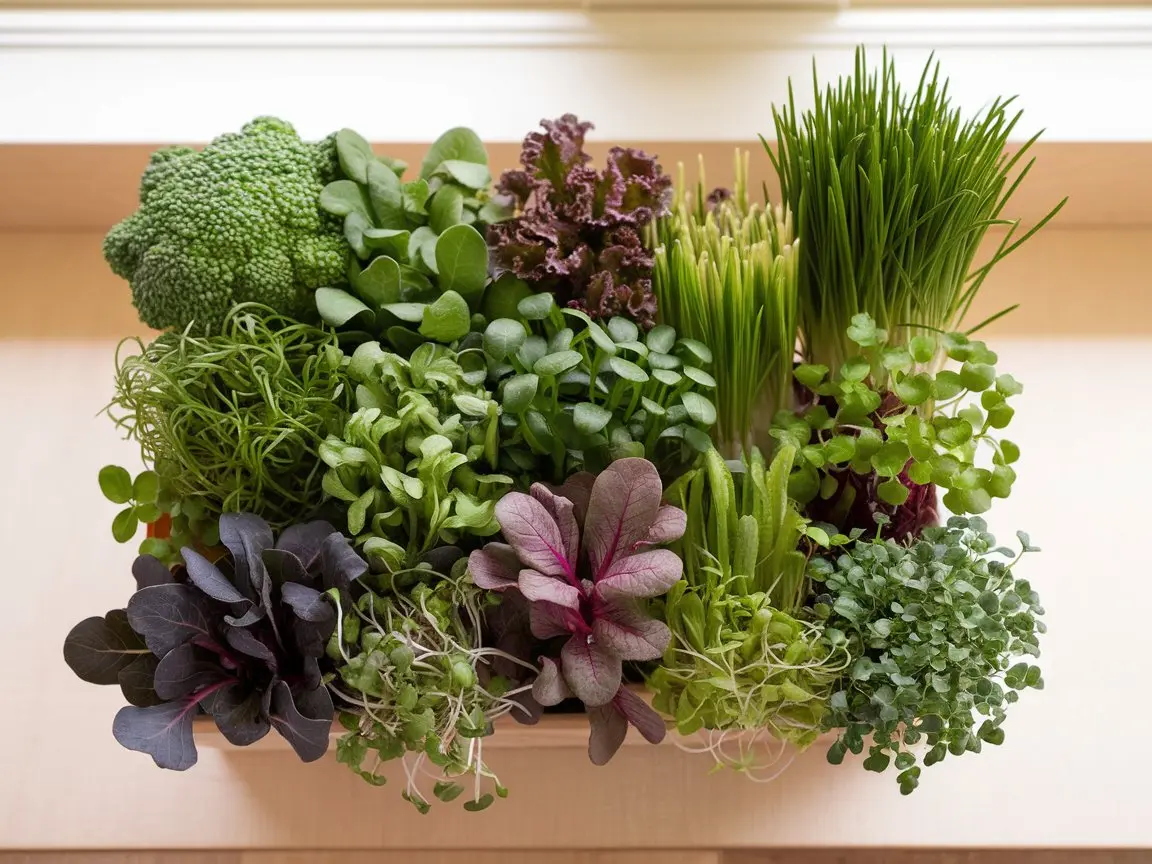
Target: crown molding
[(680, 75)]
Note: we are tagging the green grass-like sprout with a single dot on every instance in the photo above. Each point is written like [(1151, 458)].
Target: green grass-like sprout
[(892, 194), (745, 666), (725, 275), (233, 422)]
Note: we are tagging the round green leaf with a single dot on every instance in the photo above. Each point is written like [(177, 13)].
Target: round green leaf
[(447, 319), (999, 416), (668, 377), (354, 153), (839, 449), (947, 385), (920, 473), (700, 408), (533, 349), (561, 340), (1008, 454), (923, 348), (856, 369), (663, 361), (519, 391), (462, 261), (537, 307), (472, 175), (342, 197), (147, 513), (699, 377), (977, 376), (661, 339), (896, 359), (1009, 386), (124, 525), (503, 338), (914, 389), (446, 209), (116, 484), (653, 408), (811, 375), (893, 492), (628, 370), (698, 351), (555, 364), (622, 329), (338, 307), (503, 296), (459, 143), (590, 418), (637, 348), (697, 439), (413, 313), (891, 458)]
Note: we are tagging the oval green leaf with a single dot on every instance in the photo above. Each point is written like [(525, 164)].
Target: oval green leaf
[(116, 484), (462, 262)]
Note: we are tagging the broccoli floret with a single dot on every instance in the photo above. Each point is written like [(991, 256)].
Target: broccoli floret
[(237, 221)]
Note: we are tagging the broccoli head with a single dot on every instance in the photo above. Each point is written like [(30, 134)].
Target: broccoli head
[(237, 221)]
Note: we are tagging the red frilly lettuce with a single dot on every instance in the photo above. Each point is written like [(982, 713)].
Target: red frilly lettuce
[(579, 231), (590, 592)]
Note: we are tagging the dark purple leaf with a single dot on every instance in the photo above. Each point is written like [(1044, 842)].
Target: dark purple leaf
[(539, 588), (630, 633), (442, 558), (528, 711), (284, 568), (533, 533), (608, 731), (186, 669), (341, 564), (547, 620), (246, 536), (563, 514), (308, 736), (314, 702), (624, 504), (254, 614), (170, 615), (549, 688), (136, 681), (591, 670), (245, 641), (307, 603), (163, 731), (640, 714), (648, 574), (239, 714), (305, 541), (151, 571), (99, 649), (207, 577), (495, 567)]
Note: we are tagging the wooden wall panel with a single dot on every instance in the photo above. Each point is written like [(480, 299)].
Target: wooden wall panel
[(1085, 281)]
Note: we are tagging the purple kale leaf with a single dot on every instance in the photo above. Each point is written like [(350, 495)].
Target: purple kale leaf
[(239, 638), (585, 564), (578, 232)]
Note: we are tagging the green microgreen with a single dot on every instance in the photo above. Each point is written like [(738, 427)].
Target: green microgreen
[(893, 194), (743, 659), (725, 275), (234, 422), (932, 629), (416, 685)]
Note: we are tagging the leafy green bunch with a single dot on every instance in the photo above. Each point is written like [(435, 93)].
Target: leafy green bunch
[(725, 274), (405, 463), (743, 658), (232, 422), (932, 629), (577, 398), (420, 267), (893, 192), (887, 418), (417, 685)]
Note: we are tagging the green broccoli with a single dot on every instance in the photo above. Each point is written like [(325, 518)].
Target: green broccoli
[(237, 221)]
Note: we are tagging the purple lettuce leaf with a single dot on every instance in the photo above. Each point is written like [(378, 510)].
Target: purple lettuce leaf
[(578, 230), (589, 592)]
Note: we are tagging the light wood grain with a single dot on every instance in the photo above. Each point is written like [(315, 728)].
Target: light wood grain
[(1071, 282), (484, 857), (912, 856), (1107, 183)]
